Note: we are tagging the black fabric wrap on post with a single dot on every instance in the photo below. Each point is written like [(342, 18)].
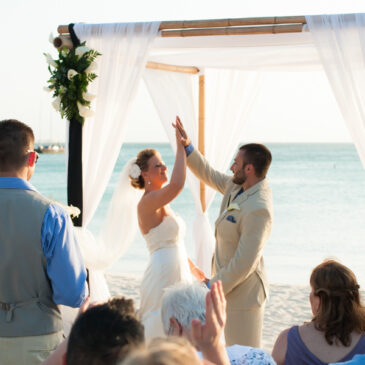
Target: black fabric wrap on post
[(74, 172)]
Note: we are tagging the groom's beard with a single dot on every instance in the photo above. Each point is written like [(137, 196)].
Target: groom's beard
[(239, 177)]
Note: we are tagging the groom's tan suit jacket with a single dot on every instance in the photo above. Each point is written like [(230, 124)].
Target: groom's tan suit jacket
[(241, 231)]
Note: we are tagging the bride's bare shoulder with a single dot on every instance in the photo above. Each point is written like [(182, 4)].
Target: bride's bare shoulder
[(144, 206), (143, 202)]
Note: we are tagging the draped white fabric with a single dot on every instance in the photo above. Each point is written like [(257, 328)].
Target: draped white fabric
[(258, 52), (175, 94), (229, 98), (124, 49), (340, 41)]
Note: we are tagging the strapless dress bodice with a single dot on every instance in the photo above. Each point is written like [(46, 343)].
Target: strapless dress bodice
[(167, 234)]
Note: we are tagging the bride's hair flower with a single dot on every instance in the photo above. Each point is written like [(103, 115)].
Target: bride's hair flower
[(135, 171)]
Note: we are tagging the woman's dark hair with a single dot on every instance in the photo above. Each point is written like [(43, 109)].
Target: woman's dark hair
[(142, 162), (15, 140), (105, 334), (340, 311)]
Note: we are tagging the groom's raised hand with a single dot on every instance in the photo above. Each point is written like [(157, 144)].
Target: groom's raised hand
[(185, 140)]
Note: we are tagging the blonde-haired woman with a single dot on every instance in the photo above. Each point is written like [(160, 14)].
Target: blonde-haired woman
[(162, 229)]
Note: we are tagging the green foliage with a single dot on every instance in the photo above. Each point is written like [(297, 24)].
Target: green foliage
[(71, 89)]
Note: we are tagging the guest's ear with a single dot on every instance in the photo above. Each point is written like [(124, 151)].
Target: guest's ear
[(176, 328)]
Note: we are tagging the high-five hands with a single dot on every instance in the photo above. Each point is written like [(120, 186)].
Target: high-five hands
[(180, 130)]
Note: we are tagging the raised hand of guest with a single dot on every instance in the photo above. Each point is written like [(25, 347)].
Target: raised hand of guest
[(206, 337)]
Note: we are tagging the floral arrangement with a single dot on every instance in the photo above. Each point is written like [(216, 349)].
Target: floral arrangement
[(71, 74)]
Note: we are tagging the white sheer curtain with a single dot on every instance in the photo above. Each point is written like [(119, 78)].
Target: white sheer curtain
[(174, 94), (229, 97), (340, 41), (124, 49)]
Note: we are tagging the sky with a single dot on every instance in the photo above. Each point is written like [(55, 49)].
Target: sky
[(288, 109)]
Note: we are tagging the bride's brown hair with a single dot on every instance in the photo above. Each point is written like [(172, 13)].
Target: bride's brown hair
[(142, 162), (340, 311)]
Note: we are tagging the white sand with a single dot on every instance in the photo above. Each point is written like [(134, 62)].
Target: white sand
[(288, 305)]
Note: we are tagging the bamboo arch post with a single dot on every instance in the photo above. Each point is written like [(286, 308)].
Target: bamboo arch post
[(201, 135)]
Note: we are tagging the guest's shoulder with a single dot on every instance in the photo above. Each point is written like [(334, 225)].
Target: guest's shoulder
[(36, 196), (280, 346), (56, 210)]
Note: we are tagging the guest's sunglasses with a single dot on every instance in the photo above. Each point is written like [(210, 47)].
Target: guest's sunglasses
[(33, 157)]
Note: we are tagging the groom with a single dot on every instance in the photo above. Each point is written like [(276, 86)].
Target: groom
[(241, 231)]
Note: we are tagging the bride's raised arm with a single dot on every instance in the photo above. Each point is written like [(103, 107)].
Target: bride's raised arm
[(156, 199)]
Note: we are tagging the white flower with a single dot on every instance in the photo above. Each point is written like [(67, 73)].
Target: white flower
[(74, 212), (71, 73), (88, 96), (71, 210), (57, 103), (233, 206), (50, 60), (84, 111), (135, 171), (80, 51), (51, 38), (48, 89), (93, 66), (65, 51)]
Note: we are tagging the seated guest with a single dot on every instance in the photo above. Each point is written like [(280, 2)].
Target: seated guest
[(337, 330), (206, 336), (182, 303), (102, 335)]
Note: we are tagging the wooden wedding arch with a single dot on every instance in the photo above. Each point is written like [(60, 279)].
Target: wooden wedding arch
[(212, 27)]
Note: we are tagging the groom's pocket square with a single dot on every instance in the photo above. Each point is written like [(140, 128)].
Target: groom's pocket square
[(231, 218)]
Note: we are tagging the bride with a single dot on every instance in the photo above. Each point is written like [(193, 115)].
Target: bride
[(162, 229)]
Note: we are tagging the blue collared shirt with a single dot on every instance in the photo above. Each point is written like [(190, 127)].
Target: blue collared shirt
[(65, 267)]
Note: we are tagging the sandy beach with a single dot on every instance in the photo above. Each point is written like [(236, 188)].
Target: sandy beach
[(288, 305)]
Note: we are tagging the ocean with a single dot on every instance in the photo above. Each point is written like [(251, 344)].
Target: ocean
[(319, 208)]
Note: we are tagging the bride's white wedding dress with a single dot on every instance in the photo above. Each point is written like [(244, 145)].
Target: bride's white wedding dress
[(168, 265)]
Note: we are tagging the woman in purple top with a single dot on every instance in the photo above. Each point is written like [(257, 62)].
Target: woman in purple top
[(337, 330)]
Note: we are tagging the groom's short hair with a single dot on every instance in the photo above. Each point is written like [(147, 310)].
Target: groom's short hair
[(259, 156), (105, 334), (15, 139), (183, 302)]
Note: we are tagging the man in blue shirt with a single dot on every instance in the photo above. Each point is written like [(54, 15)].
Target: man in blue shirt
[(40, 262)]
